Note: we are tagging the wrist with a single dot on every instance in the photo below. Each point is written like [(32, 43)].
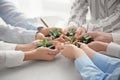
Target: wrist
[(25, 47), (28, 55), (79, 53), (104, 46)]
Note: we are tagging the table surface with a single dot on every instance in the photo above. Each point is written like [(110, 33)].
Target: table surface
[(58, 69)]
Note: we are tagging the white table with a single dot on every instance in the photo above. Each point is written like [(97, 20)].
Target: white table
[(59, 69)]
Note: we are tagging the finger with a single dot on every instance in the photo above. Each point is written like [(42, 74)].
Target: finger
[(60, 47), (78, 32), (52, 52), (92, 34), (80, 43), (48, 38), (55, 43)]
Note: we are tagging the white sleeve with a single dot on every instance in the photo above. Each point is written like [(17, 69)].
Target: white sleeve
[(8, 56), (116, 37), (113, 49), (7, 46), (11, 15), (16, 35)]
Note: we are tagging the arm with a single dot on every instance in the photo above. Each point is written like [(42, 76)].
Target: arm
[(90, 72), (79, 10), (105, 63), (85, 66), (12, 55), (16, 35), (108, 24), (11, 15)]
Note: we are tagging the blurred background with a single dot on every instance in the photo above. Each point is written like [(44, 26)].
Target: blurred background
[(55, 12), (34, 8)]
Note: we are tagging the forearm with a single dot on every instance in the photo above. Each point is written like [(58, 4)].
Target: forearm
[(25, 47)]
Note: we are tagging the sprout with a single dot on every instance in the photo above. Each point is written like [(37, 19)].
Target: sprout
[(86, 39), (46, 43), (54, 34), (71, 32)]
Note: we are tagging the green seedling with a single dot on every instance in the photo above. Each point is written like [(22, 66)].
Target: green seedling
[(71, 39), (46, 43), (71, 32), (86, 39), (54, 34)]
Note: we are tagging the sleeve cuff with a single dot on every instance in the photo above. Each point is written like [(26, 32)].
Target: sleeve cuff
[(116, 38), (82, 62), (113, 49), (14, 58), (7, 46)]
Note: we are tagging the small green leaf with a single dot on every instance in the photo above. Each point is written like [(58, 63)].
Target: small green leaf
[(44, 42), (87, 39)]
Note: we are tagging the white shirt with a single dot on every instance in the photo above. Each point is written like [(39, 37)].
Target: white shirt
[(105, 14)]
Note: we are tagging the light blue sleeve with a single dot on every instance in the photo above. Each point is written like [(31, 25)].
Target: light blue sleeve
[(105, 63), (11, 15), (88, 70)]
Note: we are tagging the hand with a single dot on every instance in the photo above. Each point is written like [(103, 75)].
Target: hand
[(41, 54), (90, 52), (40, 36), (98, 46), (71, 51), (46, 31), (101, 36), (80, 32)]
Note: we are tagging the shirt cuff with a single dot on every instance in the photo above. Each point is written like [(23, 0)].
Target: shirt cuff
[(14, 58), (82, 62), (113, 49), (100, 61), (116, 38), (7, 46)]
